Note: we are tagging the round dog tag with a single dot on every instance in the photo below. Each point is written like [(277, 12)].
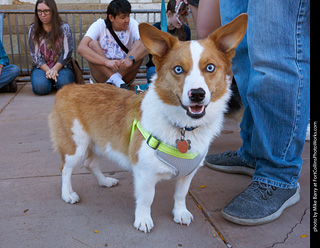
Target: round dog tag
[(183, 146)]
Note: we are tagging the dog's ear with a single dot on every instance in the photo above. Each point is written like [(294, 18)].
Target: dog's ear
[(230, 35), (155, 40)]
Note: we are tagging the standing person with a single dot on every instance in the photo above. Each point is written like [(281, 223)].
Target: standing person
[(176, 27), (209, 18), (50, 42), (8, 73), (272, 70), (108, 62)]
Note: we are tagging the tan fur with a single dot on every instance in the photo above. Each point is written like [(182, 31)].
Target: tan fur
[(88, 121), (101, 110), (135, 146), (106, 112), (221, 51)]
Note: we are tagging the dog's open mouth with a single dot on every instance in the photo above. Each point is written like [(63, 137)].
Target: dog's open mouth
[(195, 111)]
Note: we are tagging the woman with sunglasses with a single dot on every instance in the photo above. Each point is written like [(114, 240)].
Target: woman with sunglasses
[(50, 43)]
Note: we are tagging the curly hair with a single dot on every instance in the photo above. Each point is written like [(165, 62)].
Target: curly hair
[(56, 22)]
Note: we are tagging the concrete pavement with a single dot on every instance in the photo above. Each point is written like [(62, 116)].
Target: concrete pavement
[(32, 213)]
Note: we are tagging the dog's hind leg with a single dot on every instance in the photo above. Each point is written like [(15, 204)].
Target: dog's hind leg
[(67, 193), (92, 164), (180, 211), (81, 140)]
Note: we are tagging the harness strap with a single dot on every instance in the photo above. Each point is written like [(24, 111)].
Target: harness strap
[(156, 144)]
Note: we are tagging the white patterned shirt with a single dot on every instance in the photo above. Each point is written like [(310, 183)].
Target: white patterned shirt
[(98, 31)]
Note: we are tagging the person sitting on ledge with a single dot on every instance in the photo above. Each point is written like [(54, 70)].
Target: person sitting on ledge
[(50, 43), (108, 62), (8, 73)]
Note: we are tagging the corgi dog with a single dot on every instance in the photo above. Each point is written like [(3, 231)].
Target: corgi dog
[(161, 134)]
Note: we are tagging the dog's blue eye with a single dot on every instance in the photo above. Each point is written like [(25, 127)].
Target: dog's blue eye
[(178, 70), (210, 68)]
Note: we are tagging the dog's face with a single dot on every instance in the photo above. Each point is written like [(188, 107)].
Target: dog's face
[(193, 74)]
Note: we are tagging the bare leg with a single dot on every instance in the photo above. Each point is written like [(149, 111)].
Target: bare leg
[(102, 73), (194, 12), (99, 72), (131, 73), (209, 18)]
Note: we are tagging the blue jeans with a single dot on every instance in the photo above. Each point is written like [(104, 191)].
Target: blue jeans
[(8, 74), (43, 86), (150, 73), (272, 70)]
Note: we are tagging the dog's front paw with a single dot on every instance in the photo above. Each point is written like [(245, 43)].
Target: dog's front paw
[(144, 224), (108, 182), (70, 197), (182, 217)]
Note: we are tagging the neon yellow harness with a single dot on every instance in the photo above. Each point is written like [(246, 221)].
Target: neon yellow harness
[(158, 145), (183, 164)]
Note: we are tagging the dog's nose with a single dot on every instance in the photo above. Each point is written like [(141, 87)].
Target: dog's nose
[(196, 95)]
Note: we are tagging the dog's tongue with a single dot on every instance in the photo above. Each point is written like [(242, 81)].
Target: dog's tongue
[(196, 109)]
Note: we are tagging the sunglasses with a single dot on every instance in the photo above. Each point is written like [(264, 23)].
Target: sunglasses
[(183, 13)]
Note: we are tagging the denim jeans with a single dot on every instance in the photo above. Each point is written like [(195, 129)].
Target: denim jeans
[(150, 73), (8, 74), (272, 70), (43, 86)]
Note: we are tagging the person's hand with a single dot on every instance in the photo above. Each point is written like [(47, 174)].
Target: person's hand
[(113, 64), (125, 63), (1, 68), (178, 2), (52, 74)]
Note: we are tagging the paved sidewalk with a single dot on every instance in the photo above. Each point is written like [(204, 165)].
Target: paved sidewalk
[(32, 213)]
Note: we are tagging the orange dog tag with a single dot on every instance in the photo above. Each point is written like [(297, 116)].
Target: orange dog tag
[(183, 146)]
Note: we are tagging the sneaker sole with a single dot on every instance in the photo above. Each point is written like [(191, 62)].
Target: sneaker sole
[(253, 222), (231, 169)]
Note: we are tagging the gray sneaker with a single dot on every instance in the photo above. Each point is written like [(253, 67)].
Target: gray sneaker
[(228, 162), (260, 203)]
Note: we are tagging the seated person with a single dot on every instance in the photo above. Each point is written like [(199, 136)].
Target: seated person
[(108, 62), (50, 43), (176, 27), (8, 72)]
